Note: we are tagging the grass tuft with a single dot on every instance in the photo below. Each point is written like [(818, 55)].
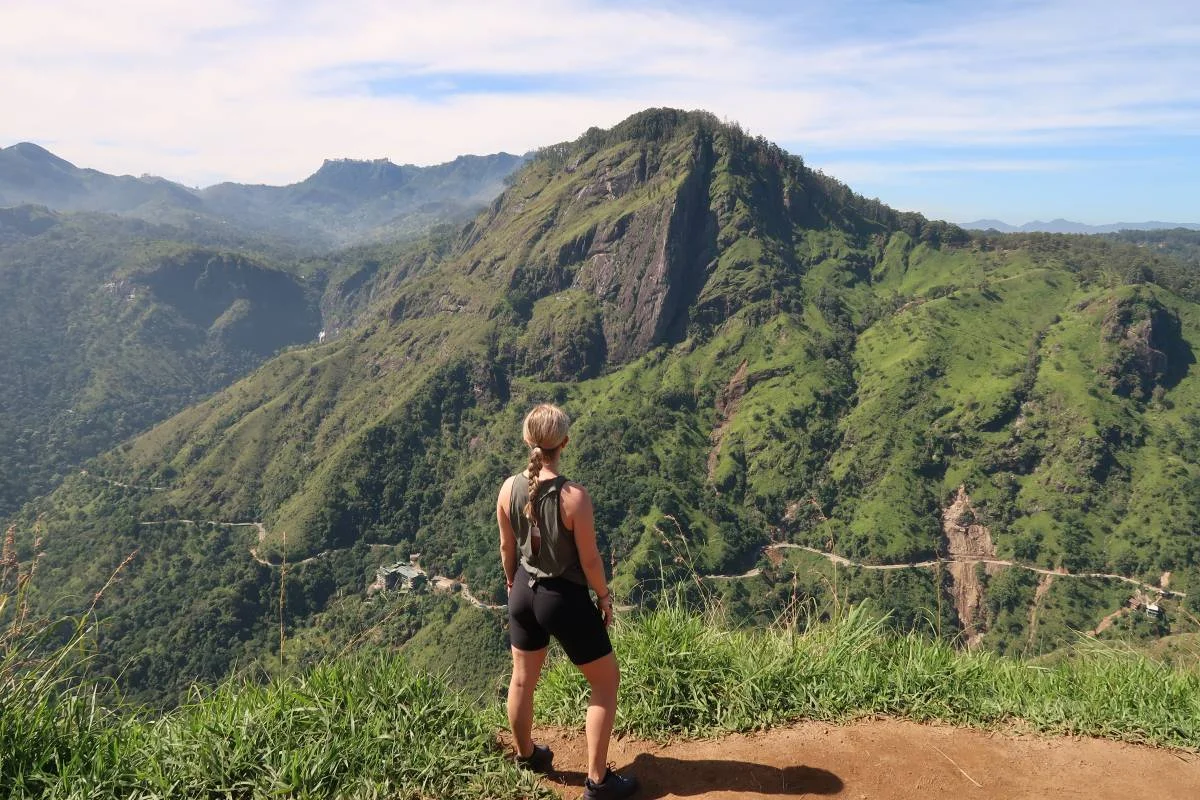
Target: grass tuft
[(358, 727)]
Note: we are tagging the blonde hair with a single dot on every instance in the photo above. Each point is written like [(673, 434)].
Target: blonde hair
[(545, 431)]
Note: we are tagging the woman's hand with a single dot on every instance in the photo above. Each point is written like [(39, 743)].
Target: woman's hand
[(606, 608)]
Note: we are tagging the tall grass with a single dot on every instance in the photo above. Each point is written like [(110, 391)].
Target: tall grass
[(363, 728), (689, 673), (49, 721), (374, 727), (357, 728)]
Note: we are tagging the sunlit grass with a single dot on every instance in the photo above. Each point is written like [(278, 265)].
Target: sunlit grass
[(688, 673), (367, 726), (370, 725)]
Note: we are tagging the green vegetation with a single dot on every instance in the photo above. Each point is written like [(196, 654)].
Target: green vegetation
[(373, 726), (363, 728), (366, 725), (746, 345), (113, 325), (689, 674)]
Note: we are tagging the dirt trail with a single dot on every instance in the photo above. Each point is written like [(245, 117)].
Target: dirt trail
[(966, 539), (727, 403), (1043, 588), (1108, 621), (885, 759)]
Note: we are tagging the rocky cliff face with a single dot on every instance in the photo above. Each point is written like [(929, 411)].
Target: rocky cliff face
[(667, 222), (1144, 346), (645, 268)]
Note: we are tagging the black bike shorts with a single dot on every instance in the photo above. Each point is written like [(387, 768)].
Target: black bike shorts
[(560, 608)]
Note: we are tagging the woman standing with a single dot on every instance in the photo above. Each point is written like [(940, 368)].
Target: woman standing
[(548, 548)]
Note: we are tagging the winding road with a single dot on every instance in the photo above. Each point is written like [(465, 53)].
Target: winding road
[(846, 562), (465, 590), (751, 573)]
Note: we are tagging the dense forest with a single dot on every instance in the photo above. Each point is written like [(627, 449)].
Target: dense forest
[(113, 325)]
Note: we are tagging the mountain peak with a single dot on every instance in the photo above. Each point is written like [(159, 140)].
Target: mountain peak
[(369, 163), (355, 175), (650, 125), (35, 154), (28, 149)]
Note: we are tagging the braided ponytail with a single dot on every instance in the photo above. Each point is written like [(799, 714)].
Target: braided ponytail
[(536, 458), (545, 431)]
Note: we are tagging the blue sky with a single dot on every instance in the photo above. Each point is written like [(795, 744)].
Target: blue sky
[(961, 110)]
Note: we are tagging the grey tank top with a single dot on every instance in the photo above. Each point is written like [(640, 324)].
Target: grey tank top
[(557, 556)]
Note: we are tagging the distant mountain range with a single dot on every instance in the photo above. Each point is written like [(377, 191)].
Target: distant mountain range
[(344, 202), (1068, 226)]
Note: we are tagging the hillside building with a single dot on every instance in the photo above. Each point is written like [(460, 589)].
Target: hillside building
[(400, 577)]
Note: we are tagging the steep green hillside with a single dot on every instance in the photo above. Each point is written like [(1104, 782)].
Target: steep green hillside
[(746, 346), (110, 327)]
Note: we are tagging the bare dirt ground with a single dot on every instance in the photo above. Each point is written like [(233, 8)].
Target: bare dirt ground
[(885, 759), (966, 539)]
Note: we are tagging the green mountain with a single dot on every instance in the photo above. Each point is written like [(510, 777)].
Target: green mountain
[(344, 202), (754, 355), (113, 325), (30, 174), (348, 201), (1183, 244)]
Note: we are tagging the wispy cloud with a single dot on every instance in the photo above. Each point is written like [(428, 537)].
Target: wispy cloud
[(882, 171), (262, 91)]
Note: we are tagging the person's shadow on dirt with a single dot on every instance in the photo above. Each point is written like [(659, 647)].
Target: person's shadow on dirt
[(660, 776)]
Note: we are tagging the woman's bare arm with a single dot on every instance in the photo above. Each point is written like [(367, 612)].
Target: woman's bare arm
[(508, 537), (579, 517)]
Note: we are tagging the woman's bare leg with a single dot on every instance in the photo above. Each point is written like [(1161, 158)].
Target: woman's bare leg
[(527, 668), (603, 675)]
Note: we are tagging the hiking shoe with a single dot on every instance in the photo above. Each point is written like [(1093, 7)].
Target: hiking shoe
[(540, 760), (613, 787)]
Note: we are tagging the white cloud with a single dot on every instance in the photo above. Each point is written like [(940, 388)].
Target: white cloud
[(262, 91), (853, 171)]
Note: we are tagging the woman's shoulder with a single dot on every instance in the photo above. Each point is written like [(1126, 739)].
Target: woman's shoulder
[(512, 479), (574, 492), (516, 479), (506, 489)]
